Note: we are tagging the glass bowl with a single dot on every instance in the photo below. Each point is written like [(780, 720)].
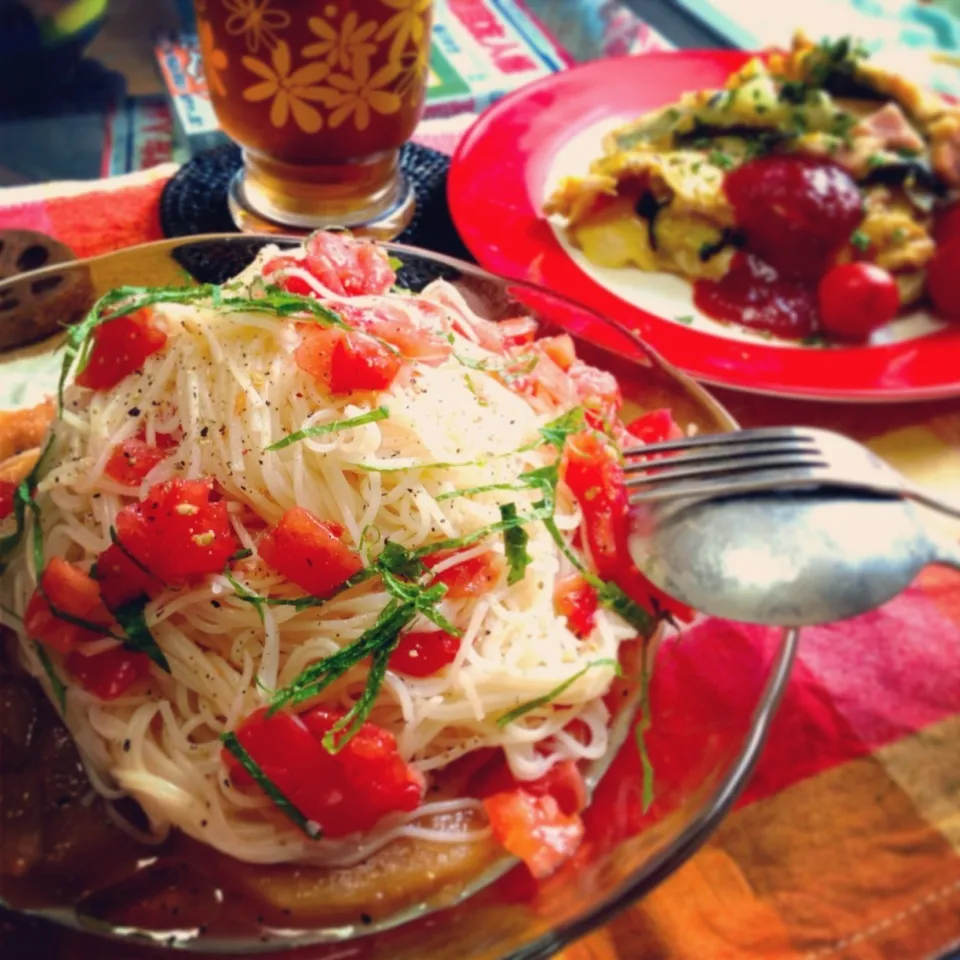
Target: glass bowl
[(711, 706)]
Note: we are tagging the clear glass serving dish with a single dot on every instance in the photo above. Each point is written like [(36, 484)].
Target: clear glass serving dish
[(93, 896)]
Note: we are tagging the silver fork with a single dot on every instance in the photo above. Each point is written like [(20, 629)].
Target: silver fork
[(765, 459)]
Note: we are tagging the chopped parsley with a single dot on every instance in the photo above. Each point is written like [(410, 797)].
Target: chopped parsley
[(720, 159), (860, 240)]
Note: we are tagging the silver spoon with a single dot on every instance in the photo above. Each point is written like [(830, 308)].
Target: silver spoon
[(786, 559)]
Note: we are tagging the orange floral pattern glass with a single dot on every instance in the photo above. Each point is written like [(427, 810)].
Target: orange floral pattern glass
[(321, 95)]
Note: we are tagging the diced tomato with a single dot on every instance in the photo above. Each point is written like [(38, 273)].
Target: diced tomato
[(471, 578), (133, 459), (591, 469), (422, 653), (378, 778), (563, 781), (309, 552), (561, 350), (576, 600), (7, 491), (70, 591), (534, 829), (120, 347), (344, 792), (655, 426), (346, 361), (180, 530), (109, 674), (517, 331), (347, 265), (295, 285), (119, 577)]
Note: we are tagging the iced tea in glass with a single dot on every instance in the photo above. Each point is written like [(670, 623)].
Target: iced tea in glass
[(321, 95)]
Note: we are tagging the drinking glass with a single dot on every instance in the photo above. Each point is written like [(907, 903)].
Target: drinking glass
[(321, 95)]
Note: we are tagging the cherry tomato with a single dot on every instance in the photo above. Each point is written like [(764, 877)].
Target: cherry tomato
[(943, 278), (947, 226), (179, 531), (534, 829), (576, 600), (133, 459), (70, 591), (7, 492), (346, 361), (471, 578), (857, 298), (344, 792), (309, 552), (120, 347), (109, 674), (120, 578), (796, 211), (422, 653)]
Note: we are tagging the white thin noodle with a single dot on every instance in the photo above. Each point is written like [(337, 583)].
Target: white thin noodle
[(228, 384)]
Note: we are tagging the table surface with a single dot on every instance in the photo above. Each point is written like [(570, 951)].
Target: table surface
[(63, 138)]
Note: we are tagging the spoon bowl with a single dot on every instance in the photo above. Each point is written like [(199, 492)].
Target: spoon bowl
[(786, 559)]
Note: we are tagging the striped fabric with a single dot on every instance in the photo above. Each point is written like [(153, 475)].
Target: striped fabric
[(846, 842)]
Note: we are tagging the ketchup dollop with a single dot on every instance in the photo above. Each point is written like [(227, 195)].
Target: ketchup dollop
[(753, 294), (795, 213)]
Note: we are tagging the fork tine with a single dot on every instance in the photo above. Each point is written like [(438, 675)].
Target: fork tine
[(782, 434), (731, 451), (670, 474), (722, 487)]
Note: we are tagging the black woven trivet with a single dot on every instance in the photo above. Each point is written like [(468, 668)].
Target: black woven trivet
[(195, 199)]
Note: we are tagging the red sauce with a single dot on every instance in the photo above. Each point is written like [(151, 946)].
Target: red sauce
[(753, 295), (795, 213)]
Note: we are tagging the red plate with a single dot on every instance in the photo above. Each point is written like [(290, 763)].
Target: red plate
[(510, 158)]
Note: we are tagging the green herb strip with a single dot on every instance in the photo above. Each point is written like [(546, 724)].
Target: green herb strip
[(230, 741), (381, 413), (556, 692), (139, 639), (354, 719), (126, 300), (383, 635), (58, 686), (515, 540)]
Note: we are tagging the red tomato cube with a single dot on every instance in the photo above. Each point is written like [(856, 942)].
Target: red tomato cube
[(120, 348), (71, 591), (309, 552), (109, 674)]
